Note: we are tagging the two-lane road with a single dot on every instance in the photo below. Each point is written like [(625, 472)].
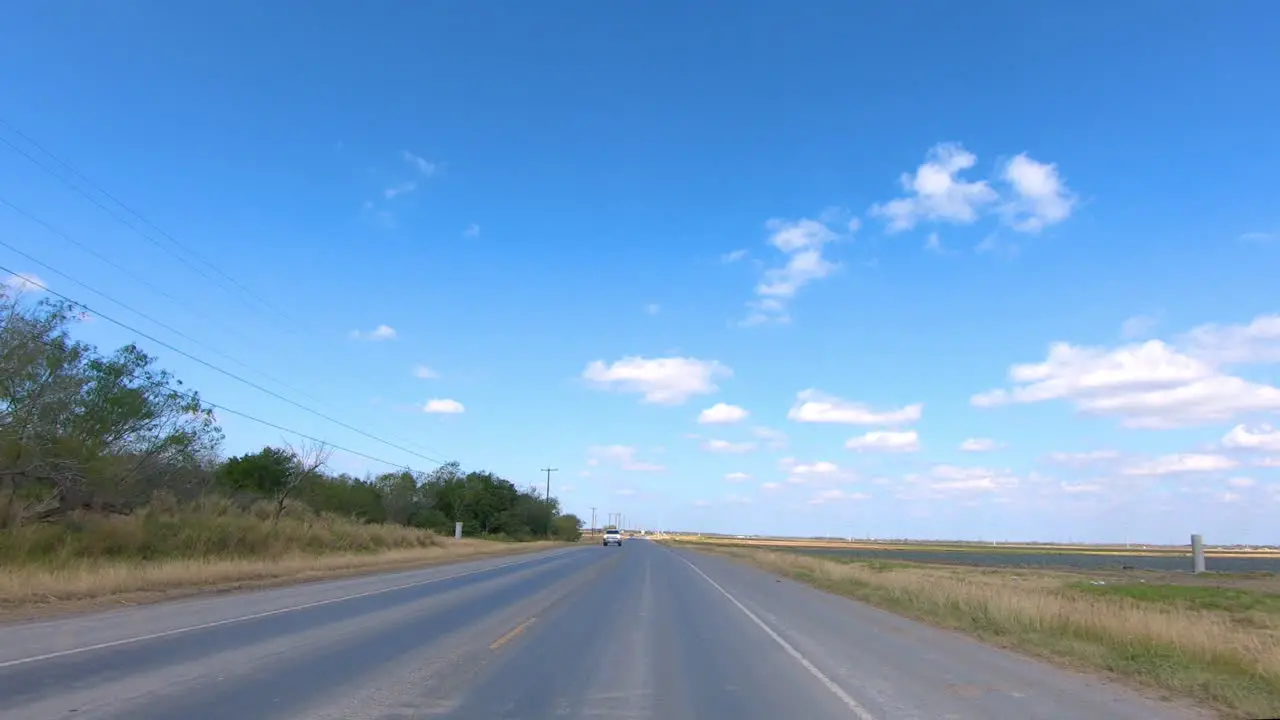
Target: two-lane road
[(640, 631)]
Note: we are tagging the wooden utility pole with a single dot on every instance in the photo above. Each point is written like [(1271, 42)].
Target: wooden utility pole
[(593, 522), (548, 471)]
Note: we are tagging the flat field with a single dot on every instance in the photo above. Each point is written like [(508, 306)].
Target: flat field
[(1081, 557)]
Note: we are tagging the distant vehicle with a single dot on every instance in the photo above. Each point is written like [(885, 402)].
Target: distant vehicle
[(612, 537)]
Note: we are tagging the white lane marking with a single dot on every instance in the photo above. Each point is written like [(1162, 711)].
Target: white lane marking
[(269, 613), (860, 712)]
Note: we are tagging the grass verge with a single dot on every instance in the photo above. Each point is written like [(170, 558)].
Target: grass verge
[(162, 552), (1219, 646)]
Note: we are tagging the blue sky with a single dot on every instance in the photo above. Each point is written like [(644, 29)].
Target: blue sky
[(594, 221)]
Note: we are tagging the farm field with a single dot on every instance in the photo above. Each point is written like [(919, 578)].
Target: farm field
[(1079, 557)]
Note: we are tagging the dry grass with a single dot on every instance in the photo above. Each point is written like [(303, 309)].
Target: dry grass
[(1220, 646), (165, 551)]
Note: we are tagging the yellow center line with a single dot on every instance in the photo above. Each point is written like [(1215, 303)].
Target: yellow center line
[(512, 634)]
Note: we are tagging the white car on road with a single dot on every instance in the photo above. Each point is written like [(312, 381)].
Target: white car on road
[(612, 537)]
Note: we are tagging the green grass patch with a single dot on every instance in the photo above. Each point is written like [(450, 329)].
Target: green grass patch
[(1249, 607)]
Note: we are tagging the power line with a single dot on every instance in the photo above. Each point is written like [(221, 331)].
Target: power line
[(164, 325), (86, 181), (104, 258), (217, 369), (196, 397)]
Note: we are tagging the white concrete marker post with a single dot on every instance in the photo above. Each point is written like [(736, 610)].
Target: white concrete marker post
[(1197, 553), (457, 531)]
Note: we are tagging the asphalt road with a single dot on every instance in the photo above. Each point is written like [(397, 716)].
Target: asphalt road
[(636, 632)]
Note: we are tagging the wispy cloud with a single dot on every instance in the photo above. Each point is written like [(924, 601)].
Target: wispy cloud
[(24, 282), (382, 332), (397, 190), (423, 166)]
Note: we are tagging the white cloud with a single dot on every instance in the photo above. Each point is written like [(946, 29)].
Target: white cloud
[(653, 308), (662, 381), (770, 485), (423, 166), (773, 439), (722, 413), (1149, 385), (725, 446), (1137, 327), (1081, 458), (936, 193), (813, 406), (1040, 197), (621, 456), (801, 242), (1257, 342), (1261, 438), (425, 373), (834, 494), (1242, 482), (24, 282), (821, 467), (443, 406), (1182, 463), (738, 500), (933, 244), (1258, 237), (400, 189), (382, 332), (473, 230), (979, 445), (1076, 488), (885, 441), (733, 257), (735, 477), (952, 478)]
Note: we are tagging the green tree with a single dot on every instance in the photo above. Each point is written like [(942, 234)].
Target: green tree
[(567, 528)]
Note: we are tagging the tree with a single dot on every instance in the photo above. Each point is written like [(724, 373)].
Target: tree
[(108, 432), (80, 430), (307, 461), (567, 528), (261, 473)]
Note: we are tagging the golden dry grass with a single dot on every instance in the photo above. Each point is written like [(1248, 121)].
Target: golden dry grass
[(1220, 647), (165, 551)]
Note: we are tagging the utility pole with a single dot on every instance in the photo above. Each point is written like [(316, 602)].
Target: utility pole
[(548, 471), (593, 522)]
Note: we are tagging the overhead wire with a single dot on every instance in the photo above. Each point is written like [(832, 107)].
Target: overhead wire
[(166, 326), (283, 428), (292, 324), (117, 266), (215, 368), (117, 216)]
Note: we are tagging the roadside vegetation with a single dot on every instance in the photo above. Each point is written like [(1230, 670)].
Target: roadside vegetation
[(113, 480), (1213, 639)]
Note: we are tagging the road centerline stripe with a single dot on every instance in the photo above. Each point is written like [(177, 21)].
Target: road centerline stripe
[(512, 634)]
